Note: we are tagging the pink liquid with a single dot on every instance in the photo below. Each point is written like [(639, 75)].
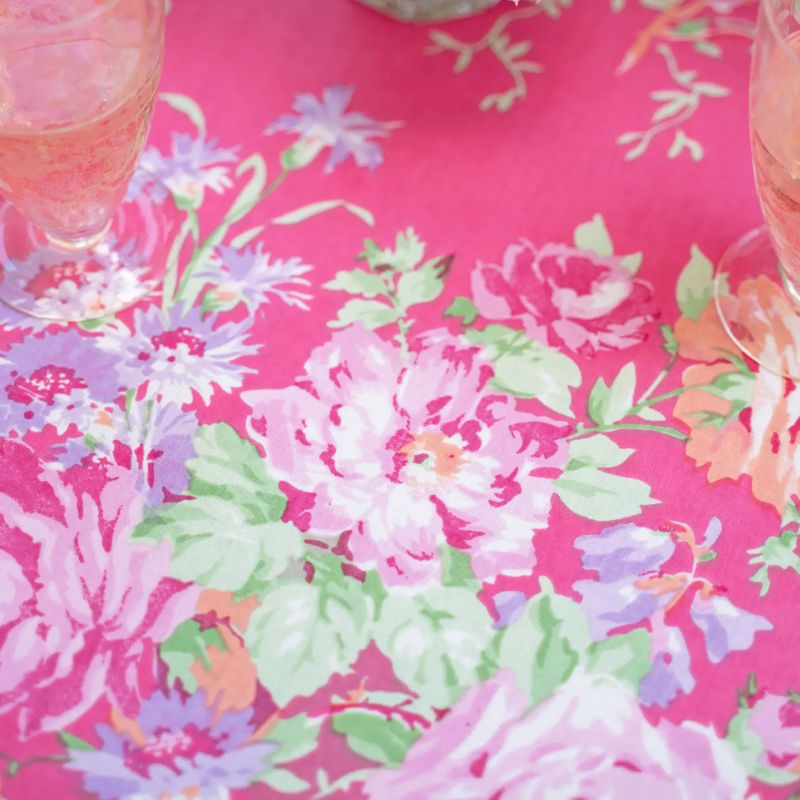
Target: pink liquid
[(73, 119), (775, 139)]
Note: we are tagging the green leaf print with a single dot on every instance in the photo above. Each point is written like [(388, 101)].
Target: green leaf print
[(188, 644), (464, 309), (695, 285), (297, 737), (593, 237), (626, 656), (777, 551), (545, 644), (526, 368), (408, 251), (551, 640), (358, 281), (748, 749), (422, 285), (244, 238), (371, 314), (283, 781), (602, 496), (302, 633), (300, 154), (434, 641), (187, 106), (375, 737), (251, 192), (596, 451), (608, 404), (230, 537), (457, 569), (74, 742), (320, 207), (396, 276), (710, 49)]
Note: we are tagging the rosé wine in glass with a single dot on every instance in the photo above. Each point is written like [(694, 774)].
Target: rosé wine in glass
[(78, 81), (757, 285), (775, 139)]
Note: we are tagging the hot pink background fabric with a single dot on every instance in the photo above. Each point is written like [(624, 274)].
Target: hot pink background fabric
[(529, 213)]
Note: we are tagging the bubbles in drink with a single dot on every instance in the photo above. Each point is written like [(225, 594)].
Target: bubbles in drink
[(775, 136), (73, 112)]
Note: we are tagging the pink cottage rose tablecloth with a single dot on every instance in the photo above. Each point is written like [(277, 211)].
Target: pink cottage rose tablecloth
[(431, 474)]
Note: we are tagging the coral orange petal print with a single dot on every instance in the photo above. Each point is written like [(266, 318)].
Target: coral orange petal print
[(658, 27), (769, 322)]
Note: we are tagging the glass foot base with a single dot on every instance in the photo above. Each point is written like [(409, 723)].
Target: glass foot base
[(756, 306), (43, 280)]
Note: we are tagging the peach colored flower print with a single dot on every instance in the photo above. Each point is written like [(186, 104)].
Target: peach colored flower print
[(742, 420)]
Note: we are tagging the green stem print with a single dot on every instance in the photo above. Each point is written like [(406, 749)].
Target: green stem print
[(609, 404), (397, 279), (535, 368), (13, 766), (677, 106), (188, 272), (497, 41)]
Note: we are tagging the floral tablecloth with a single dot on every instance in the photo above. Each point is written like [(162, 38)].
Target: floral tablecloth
[(431, 474)]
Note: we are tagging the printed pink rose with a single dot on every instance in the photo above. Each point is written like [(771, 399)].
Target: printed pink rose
[(776, 721), (80, 604), (588, 740), (566, 297), (411, 457)]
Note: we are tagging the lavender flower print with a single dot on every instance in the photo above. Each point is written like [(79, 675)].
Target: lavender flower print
[(193, 166), (177, 748), (179, 355), (326, 123), (634, 584), (251, 276), (725, 626), (153, 439), (60, 380)]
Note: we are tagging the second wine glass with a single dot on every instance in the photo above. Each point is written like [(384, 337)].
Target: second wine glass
[(757, 285)]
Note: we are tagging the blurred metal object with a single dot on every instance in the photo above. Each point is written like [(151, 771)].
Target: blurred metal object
[(429, 10)]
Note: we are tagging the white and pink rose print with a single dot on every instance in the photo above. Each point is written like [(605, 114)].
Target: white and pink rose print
[(412, 457), (588, 740)]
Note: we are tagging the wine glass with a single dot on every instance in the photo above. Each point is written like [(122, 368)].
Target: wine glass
[(757, 282), (78, 82)]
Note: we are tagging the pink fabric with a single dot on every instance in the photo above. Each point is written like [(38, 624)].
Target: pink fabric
[(439, 478)]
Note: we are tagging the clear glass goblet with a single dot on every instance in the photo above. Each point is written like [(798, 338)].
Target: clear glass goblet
[(757, 284), (78, 82)]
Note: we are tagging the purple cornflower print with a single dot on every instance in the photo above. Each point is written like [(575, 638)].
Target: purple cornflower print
[(179, 355), (326, 123), (251, 276), (60, 379), (193, 166), (177, 748), (153, 439)]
